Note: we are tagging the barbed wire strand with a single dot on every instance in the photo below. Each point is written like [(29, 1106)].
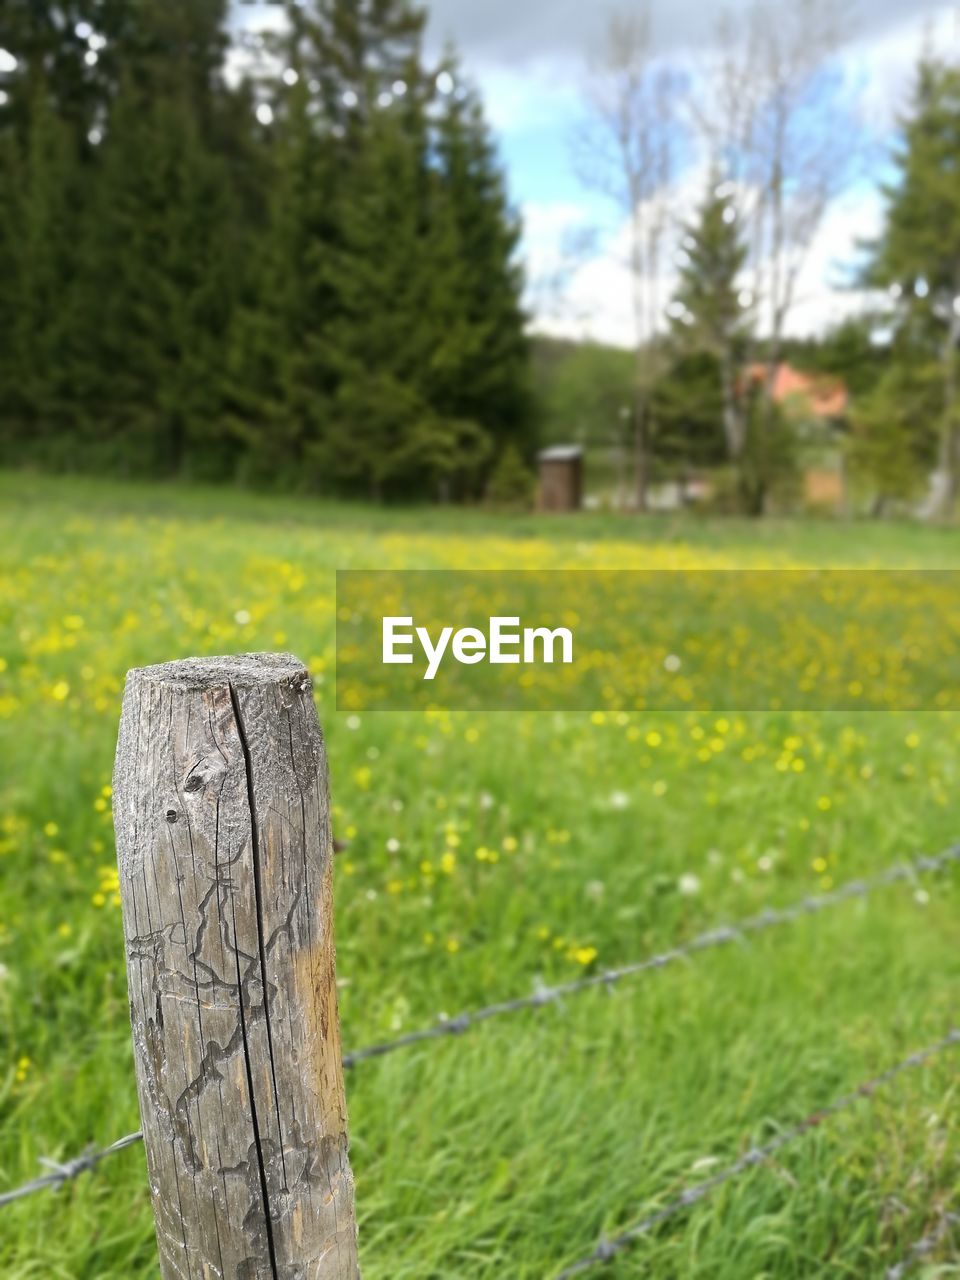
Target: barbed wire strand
[(608, 1249), (717, 937), (69, 1169), (924, 1246), (769, 918)]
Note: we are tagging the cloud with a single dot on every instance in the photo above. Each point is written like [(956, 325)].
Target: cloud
[(826, 292), (588, 293), (589, 298), (510, 32), (880, 68), (540, 95)]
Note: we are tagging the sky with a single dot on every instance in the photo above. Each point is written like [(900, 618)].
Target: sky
[(531, 60)]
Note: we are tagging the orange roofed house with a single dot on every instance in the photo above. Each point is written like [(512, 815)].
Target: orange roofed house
[(817, 406)]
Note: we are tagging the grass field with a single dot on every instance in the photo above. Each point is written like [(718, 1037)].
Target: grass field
[(489, 852)]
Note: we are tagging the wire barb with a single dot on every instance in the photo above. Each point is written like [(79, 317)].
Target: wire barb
[(924, 1246), (445, 1028), (67, 1170), (609, 1247)]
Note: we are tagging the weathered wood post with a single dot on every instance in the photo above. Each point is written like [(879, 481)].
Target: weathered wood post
[(224, 845)]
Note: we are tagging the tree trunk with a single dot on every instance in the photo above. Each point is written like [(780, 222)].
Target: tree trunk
[(949, 454), (732, 420), (641, 454)]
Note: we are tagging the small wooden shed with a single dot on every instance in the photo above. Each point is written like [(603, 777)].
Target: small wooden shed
[(561, 478)]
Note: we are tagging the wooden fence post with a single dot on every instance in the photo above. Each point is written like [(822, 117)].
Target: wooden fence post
[(223, 836)]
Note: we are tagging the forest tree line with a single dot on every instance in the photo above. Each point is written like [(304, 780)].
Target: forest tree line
[(292, 261), (303, 274)]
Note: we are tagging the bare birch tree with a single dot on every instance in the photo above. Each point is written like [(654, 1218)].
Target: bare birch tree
[(627, 152), (777, 124)]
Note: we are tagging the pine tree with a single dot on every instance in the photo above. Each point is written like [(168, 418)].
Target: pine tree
[(689, 410), (511, 485), (709, 313), (160, 254), (485, 377), (390, 432), (279, 376), (355, 53), (890, 447), (158, 287), (38, 245), (415, 291), (78, 50), (326, 298), (11, 257), (918, 253)]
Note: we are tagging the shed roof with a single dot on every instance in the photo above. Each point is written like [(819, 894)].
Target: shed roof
[(561, 453)]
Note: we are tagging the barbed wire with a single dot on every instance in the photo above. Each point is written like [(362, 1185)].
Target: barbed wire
[(608, 1249), (924, 1246), (69, 1169), (724, 935), (769, 918)]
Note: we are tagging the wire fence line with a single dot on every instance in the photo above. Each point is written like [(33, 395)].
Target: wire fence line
[(69, 1169), (608, 1249), (770, 918), (740, 931), (923, 1247)]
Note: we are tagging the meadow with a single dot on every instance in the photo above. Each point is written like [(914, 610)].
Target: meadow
[(487, 853)]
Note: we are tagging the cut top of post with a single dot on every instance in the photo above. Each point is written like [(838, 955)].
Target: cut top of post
[(241, 670)]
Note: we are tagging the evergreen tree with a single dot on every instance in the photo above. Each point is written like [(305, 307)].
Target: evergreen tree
[(918, 253), (80, 49), (356, 53), (709, 313), (38, 248), (11, 189), (890, 448), (511, 485), (390, 432), (158, 286), (484, 374), (325, 295), (279, 376), (847, 352), (689, 411)]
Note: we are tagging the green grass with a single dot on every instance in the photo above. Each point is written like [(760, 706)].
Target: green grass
[(507, 1152)]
